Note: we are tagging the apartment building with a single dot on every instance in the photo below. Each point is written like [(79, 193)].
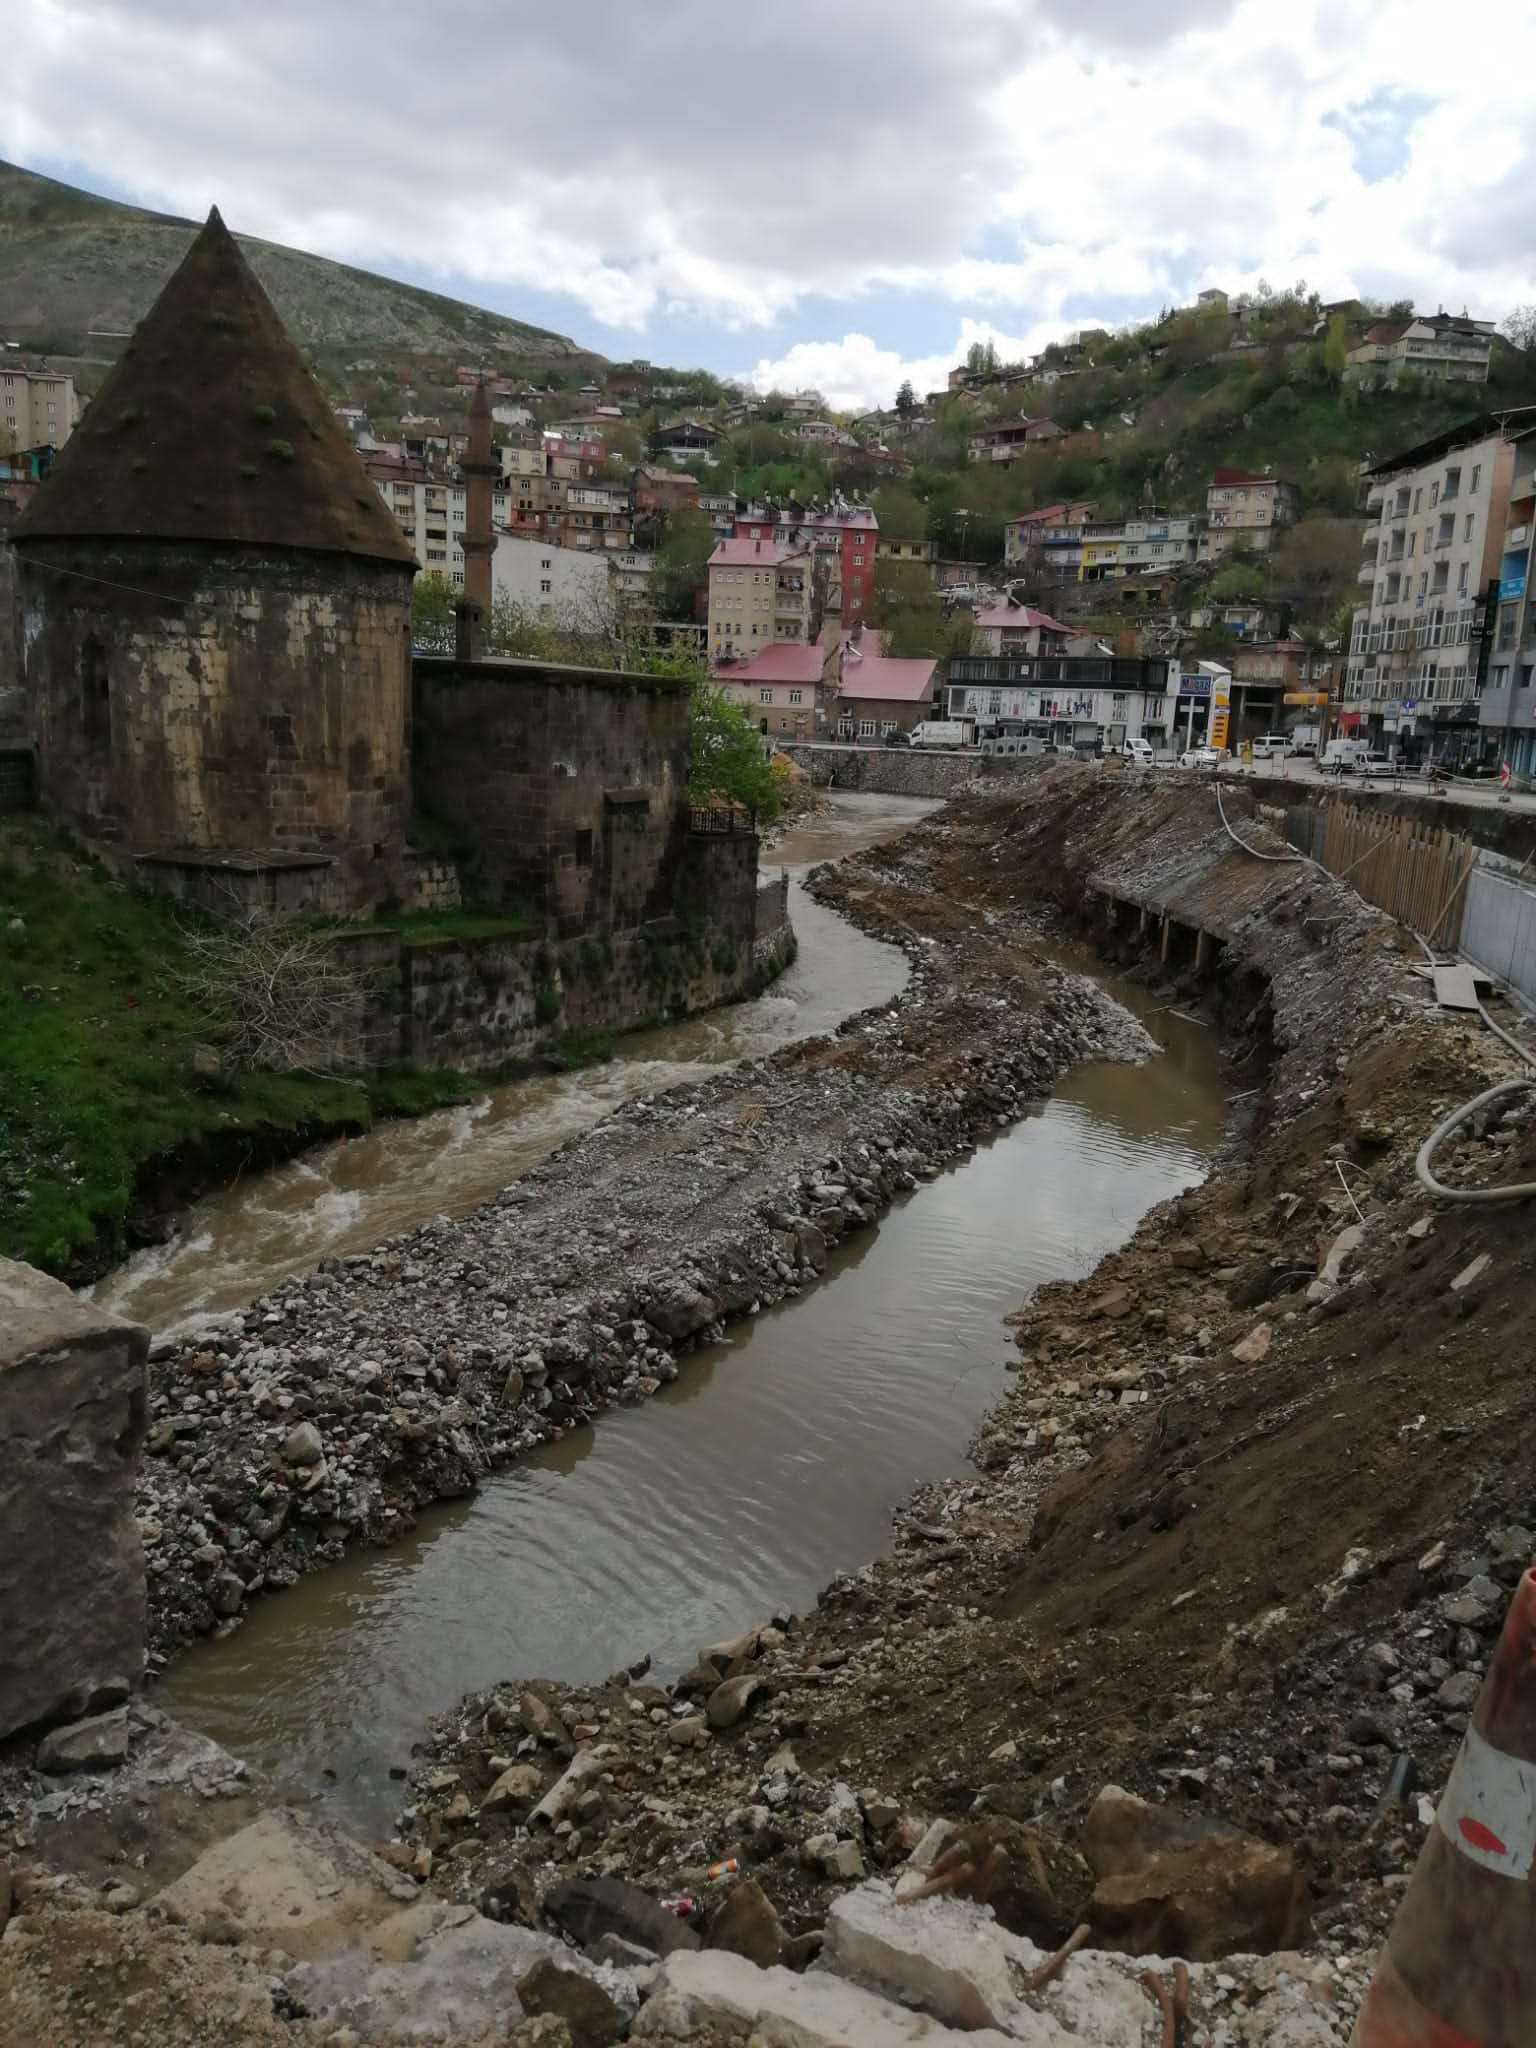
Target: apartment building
[(1244, 508), (1436, 533), (595, 515), (570, 587), (760, 591), (1160, 540), (1052, 535), (842, 536), (1008, 440), (1450, 348), (1020, 701), (1507, 705), (431, 515), (38, 407)]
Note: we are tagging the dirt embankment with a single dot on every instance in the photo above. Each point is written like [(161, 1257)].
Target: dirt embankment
[(1243, 1530)]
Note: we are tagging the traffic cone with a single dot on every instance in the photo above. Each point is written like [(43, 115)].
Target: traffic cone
[(1459, 1967)]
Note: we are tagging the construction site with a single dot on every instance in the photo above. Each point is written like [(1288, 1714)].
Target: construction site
[(1181, 1517)]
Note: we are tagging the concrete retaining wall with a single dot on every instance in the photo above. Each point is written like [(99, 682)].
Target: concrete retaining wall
[(1498, 925), (73, 1403), (906, 771)]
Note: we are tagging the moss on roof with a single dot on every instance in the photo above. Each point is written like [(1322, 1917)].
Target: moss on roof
[(210, 428)]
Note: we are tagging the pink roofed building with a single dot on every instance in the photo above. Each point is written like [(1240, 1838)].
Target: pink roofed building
[(1020, 629), (761, 591), (780, 687)]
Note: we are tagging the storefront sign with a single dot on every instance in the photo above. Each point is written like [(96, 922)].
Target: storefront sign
[(1315, 699), (1194, 686)]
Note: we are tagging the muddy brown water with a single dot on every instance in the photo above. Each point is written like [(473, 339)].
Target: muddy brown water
[(776, 1458)]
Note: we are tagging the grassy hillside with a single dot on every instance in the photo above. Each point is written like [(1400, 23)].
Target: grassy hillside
[(103, 1087), (71, 263)]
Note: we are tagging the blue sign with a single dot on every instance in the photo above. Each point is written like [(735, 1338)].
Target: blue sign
[(1194, 686), (1511, 587)]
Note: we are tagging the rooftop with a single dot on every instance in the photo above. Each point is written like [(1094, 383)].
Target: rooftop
[(741, 553), (1221, 479), (209, 427), (786, 661), (1017, 615), (889, 679)]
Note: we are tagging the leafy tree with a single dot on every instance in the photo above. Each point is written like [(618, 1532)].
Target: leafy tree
[(1520, 327), (981, 359), (726, 762), (900, 511), (432, 604), (680, 571), (1239, 583), (906, 400), (1211, 643), (1336, 347)]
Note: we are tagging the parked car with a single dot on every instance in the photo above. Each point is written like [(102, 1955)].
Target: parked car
[(1272, 747), (898, 738), (1201, 757), (1374, 763), (1479, 771), (1138, 752)]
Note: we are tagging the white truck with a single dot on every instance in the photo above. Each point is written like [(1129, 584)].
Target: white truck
[(1342, 757), (939, 732)]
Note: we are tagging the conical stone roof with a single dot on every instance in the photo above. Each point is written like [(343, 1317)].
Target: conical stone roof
[(210, 428)]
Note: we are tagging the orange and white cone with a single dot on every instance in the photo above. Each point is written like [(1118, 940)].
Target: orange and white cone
[(1459, 1967)]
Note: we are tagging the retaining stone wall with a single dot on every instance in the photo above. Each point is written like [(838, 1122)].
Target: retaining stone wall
[(905, 771)]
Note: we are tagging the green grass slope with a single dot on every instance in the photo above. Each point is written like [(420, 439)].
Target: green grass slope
[(98, 1081)]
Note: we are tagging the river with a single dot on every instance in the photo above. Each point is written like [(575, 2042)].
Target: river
[(776, 1458)]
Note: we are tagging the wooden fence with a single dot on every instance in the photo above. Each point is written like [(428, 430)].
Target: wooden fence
[(1416, 872)]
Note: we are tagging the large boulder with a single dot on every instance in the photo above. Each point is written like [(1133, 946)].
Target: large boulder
[(747, 1925), (73, 1403), (1178, 1884)]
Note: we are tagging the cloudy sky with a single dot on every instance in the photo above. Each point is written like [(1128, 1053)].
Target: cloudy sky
[(814, 193)]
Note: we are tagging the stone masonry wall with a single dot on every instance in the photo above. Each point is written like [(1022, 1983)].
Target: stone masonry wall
[(569, 783), (218, 700), (73, 1402), (902, 771)]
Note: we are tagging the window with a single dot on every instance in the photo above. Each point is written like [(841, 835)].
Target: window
[(1477, 474), (795, 696), (1461, 580), (1434, 496), (1452, 483), (544, 584), (858, 563), (765, 696), (866, 728), (887, 727), (546, 564), (1423, 581), (1418, 499)]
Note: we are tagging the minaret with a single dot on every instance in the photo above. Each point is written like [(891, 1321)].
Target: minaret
[(479, 471)]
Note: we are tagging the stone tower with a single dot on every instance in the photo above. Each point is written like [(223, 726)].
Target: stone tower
[(216, 613), (480, 470)]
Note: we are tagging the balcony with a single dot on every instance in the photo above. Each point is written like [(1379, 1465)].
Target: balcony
[(1372, 535), (1366, 573)]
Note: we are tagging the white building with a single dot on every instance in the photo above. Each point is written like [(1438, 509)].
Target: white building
[(1434, 539), (568, 586), (38, 408)]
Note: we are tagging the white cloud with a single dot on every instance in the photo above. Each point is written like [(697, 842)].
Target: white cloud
[(856, 375), (1016, 161)]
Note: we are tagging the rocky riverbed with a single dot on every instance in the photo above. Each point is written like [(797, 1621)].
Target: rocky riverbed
[(337, 1405)]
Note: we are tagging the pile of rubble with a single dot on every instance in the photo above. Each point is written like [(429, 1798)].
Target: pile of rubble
[(195, 1910)]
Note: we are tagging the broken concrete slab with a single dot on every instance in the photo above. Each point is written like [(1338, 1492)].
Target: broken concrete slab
[(73, 1402), (711, 1988), (1469, 1274), (288, 1883), (438, 1972)]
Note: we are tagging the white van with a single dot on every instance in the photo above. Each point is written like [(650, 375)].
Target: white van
[(1274, 746), (1138, 752), (1342, 757), (939, 732)]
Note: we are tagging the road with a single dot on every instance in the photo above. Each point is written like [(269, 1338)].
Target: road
[(1478, 795)]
